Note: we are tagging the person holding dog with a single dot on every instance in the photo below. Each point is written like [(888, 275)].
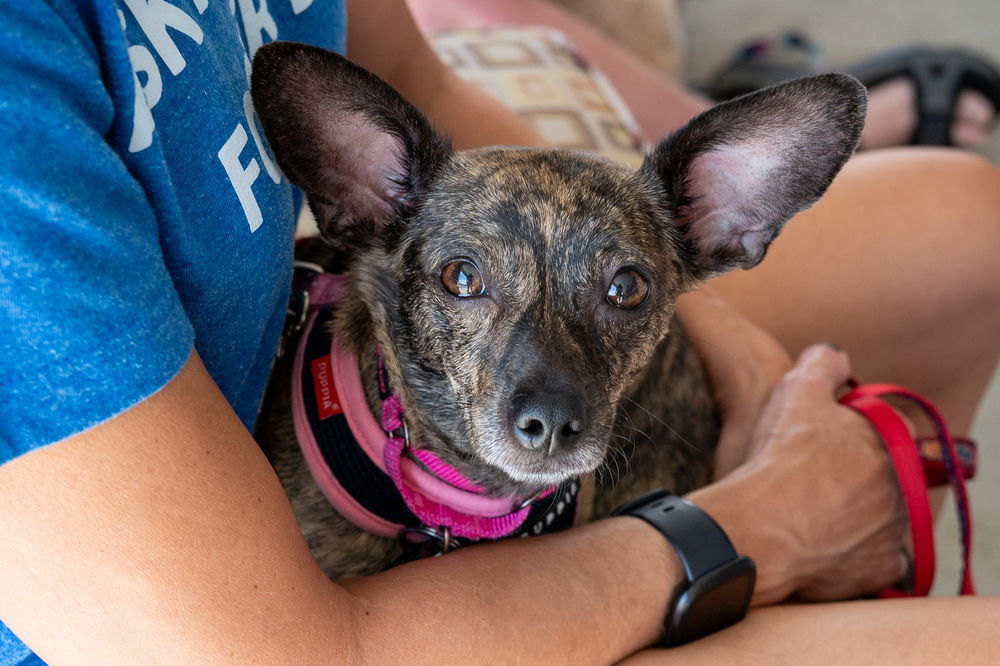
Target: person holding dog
[(141, 522)]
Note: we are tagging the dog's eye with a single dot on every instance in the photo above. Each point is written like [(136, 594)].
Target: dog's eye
[(628, 290), (462, 279)]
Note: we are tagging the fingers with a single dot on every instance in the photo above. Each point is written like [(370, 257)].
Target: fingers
[(828, 477)]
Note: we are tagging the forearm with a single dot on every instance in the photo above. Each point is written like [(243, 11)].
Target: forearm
[(590, 595), (742, 363), (167, 538), (473, 118), (742, 505), (902, 631)]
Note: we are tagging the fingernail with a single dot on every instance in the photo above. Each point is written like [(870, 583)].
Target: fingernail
[(831, 345)]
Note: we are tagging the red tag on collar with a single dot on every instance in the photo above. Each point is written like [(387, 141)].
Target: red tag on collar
[(327, 400)]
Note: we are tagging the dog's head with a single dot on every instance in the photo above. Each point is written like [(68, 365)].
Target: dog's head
[(515, 292)]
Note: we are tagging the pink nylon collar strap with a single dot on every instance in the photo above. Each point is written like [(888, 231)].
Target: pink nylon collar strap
[(326, 383)]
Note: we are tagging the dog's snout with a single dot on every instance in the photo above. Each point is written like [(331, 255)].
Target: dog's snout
[(547, 422)]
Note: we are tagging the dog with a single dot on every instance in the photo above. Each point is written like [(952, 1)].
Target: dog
[(519, 301)]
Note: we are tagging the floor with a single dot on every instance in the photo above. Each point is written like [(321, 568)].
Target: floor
[(850, 30)]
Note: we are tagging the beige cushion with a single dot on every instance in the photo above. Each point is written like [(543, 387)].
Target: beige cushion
[(540, 76)]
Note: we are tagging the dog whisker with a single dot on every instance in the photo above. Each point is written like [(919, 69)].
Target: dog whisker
[(674, 431)]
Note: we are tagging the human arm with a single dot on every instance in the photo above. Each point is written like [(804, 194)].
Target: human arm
[(163, 535), (142, 538), (883, 632), (742, 363), (801, 421)]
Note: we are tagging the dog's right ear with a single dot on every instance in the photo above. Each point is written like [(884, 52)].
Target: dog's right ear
[(361, 152), (735, 174)]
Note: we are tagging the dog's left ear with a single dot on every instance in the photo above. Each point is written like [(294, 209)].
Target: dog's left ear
[(735, 174), (359, 150)]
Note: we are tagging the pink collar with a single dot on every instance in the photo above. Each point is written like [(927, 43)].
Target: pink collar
[(436, 493)]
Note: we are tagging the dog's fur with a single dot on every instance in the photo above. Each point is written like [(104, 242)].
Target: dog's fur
[(548, 230)]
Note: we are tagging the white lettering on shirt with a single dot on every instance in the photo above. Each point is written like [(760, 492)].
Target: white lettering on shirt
[(242, 178), (255, 23), (159, 20), (299, 6), (146, 97), (154, 17)]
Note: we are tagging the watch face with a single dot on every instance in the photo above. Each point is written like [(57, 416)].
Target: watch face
[(712, 602)]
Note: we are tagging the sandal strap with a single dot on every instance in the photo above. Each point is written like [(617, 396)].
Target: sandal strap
[(938, 76)]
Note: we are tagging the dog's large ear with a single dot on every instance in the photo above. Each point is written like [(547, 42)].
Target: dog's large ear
[(361, 152), (735, 174)]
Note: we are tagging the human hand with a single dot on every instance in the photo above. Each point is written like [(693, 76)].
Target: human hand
[(743, 363), (816, 503)]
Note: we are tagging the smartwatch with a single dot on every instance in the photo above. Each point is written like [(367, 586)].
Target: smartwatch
[(719, 582)]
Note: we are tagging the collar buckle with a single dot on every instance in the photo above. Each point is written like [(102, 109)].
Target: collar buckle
[(440, 534)]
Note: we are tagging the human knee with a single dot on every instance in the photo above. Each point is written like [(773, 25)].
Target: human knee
[(953, 172), (973, 169), (955, 188)]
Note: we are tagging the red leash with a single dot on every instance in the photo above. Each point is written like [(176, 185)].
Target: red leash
[(915, 474)]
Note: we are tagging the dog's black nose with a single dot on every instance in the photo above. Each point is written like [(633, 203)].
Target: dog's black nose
[(546, 422)]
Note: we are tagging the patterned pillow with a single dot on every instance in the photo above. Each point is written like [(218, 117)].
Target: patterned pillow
[(539, 75)]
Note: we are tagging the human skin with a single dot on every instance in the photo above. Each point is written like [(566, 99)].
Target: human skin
[(168, 538)]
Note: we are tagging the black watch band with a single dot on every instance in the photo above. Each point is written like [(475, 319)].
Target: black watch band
[(719, 582)]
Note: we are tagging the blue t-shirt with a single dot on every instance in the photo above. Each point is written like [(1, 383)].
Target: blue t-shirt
[(141, 211)]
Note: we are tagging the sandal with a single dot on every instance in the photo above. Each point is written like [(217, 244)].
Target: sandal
[(938, 76), (765, 62)]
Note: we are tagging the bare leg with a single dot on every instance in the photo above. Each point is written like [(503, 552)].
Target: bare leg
[(897, 265), (907, 631)]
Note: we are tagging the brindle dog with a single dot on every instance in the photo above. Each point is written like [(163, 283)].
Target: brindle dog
[(523, 297)]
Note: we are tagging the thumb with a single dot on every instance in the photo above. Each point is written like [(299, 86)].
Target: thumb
[(820, 370)]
